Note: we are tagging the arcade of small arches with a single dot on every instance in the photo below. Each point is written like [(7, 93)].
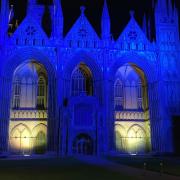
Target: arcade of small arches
[(30, 120)]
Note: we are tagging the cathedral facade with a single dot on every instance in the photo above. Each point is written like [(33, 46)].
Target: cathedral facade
[(85, 94)]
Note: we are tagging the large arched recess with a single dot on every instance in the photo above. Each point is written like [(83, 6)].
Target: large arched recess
[(19, 57), (151, 74), (97, 77), (83, 57)]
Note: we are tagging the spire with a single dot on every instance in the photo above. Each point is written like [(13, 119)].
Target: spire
[(105, 22), (11, 14), (145, 25), (149, 29), (58, 20), (131, 13), (10, 20), (4, 19), (82, 8), (58, 8), (82, 17)]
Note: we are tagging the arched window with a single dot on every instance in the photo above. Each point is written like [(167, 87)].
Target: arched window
[(29, 106), (83, 144), (40, 143), (139, 89), (136, 139), (130, 90), (118, 95), (20, 139), (81, 82), (17, 93), (118, 88), (41, 94)]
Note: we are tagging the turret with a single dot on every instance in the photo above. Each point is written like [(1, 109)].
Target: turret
[(34, 10)]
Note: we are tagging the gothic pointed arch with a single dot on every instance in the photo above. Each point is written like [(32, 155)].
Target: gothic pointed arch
[(137, 139), (119, 94), (38, 128), (83, 144), (139, 61), (87, 59), (81, 80), (20, 127), (20, 139), (91, 67), (25, 56), (39, 133), (20, 56), (136, 106)]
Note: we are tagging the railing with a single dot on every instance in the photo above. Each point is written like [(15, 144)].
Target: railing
[(128, 115), (28, 114)]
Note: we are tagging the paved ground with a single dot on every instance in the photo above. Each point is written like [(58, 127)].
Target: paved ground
[(116, 167), (140, 174)]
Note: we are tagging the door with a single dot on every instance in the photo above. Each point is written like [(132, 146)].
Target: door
[(83, 145)]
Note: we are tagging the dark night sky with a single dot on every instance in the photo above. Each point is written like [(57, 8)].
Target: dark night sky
[(119, 12)]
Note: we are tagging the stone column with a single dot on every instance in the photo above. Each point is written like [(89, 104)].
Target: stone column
[(109, 114), (64, 132), (52, 117), (5, 102), (159, 118)]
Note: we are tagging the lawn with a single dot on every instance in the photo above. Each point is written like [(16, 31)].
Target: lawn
[(166, 165), (55, 169)]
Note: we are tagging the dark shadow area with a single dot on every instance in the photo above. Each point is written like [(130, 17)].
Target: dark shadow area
[(176, 134)]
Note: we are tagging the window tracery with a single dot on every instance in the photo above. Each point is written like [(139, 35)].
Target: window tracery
[(30, 31), (119, 94), (17, 93), (41, 94), (81, 81)]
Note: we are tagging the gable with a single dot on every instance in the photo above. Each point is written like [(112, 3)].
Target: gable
[(29, 33), (132, 34), (82, 30)]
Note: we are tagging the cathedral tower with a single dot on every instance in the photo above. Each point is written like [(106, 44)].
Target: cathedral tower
[(166, 22), (167, 38)]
